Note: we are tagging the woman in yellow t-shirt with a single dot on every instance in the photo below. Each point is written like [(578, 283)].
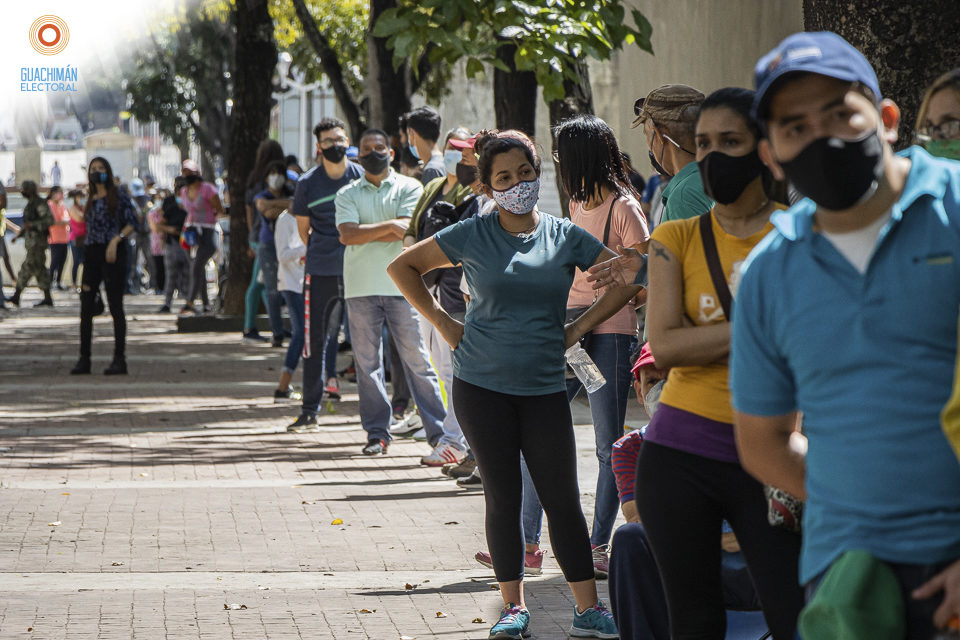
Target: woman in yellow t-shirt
[(689, 477)]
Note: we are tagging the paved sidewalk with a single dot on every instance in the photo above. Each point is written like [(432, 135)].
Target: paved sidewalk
[(171, 503)]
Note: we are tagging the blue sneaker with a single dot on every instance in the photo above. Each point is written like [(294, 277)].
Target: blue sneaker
[(514, 623), (595, 622)]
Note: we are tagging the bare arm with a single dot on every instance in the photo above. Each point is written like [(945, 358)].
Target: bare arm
[(613, 299), (674, 344), (407, 271), (386, 231), (218, 206), (629, 510), (76, 214), (303, 228), (272, 208), (772, 450)]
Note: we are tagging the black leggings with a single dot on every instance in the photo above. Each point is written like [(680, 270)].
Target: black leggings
[(498, 427), (96, 269), (58, 258), (682, 499)]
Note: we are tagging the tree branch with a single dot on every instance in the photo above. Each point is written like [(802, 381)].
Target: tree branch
[(331, 66)]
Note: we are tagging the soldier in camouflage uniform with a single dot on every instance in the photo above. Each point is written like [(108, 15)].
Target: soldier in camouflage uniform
[(37, 220)]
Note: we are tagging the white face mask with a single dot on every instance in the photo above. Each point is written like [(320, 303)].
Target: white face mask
[(652, 400), (275, 181)]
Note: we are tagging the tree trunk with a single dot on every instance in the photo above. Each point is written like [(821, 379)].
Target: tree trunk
[(907, 52), (331, 67), (514, 94), (578, 101), (254, 63), (388, 90)]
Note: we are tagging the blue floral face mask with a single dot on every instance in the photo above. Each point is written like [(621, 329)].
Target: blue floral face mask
[(519, 199)]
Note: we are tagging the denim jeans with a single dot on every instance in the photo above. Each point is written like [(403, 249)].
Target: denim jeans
[(442, 357), (255, 291), (367, 316), (267, 257), (176, 263), (206, 247), (608, 407), (532, 518), (294, 300)]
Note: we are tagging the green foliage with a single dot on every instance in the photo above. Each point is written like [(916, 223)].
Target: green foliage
[(182, 79), (552, 36), (345, 24)]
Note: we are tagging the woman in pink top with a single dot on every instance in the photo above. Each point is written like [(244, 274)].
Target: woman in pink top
[(603, 202), (58, 236), (202, 203), (78, 232)]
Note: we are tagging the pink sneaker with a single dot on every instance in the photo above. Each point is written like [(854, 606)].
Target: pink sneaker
[(532, 562), (601, 560)]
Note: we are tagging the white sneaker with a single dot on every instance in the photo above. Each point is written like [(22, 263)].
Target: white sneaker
[(420, 435), (406, 427), (443, 454)]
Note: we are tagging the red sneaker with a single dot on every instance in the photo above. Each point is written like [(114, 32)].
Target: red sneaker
[(532, 562)]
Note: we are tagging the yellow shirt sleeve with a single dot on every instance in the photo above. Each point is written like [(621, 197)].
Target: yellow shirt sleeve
[(674, 235)]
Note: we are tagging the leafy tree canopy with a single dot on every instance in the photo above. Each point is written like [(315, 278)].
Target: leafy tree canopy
[(344, 22), (551, 36)]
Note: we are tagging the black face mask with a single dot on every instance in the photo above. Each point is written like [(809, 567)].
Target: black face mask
[(725, 177), (192, 179), (375, 162), (835, 173), (466, 174), (98, 177), (334, 154)]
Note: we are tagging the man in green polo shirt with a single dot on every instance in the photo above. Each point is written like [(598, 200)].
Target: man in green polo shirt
[(372, 215), (669, 118)]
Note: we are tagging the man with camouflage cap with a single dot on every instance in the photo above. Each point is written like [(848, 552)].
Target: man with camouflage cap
[(669, 118), (37, 220)]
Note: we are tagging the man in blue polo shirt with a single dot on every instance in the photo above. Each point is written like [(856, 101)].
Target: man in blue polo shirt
[(847, 313), (315, 209)]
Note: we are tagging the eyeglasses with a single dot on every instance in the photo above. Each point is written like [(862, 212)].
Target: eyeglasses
[(949, 130), (326, 143)]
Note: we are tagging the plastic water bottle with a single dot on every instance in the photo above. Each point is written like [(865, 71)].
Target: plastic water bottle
[(585, 369)]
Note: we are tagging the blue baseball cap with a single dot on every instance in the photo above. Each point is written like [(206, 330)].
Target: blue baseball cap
[(821, 52)]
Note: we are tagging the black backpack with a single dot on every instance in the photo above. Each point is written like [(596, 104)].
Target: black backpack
[(442, 214)]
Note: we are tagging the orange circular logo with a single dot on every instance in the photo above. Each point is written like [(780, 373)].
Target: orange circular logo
[(49, 35)]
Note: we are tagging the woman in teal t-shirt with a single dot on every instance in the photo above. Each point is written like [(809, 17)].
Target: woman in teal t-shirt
[(509, 387)]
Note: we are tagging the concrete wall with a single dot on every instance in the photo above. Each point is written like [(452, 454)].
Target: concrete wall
[(706, 44)]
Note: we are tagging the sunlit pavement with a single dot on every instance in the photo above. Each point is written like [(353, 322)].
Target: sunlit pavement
[(171, 503)]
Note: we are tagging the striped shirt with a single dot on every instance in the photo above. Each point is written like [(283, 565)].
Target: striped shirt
[(623, 459)]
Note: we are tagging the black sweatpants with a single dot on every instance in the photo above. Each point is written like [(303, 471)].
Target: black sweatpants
[(96, 269), (58, 258), (498, 427), (682, 499), (316, 366)]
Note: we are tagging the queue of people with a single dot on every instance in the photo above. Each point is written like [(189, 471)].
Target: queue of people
[(759, 296)]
